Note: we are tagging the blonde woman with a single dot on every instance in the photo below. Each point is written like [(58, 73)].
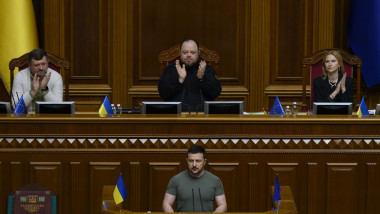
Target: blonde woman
[(333, 85)]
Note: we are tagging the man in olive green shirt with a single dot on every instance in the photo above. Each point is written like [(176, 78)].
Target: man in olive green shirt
[(195, 189)]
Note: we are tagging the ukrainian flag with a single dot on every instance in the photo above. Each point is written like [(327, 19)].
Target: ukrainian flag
[(120, 192), (106, 108), (363, 110), (18, 34)]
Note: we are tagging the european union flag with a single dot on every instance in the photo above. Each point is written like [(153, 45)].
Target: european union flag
[(364, 37), (120, 192), (277, 190), (363, 110), (106, 108), (277, 108), (21, 108)]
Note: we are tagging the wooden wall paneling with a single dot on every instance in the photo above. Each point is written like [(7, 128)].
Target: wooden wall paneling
[(342, 11), (321, 186), (342, 193), (135, 193), (16, 174), (287, 43), (54, 28), (130, 48), (101, 173), (90, 52), (138, 94), (229, 175), (312, 188), (372, 189), (324, 29), (86, 40), (160, 174), (54, 23), (75, 188), (121, 51), (309, 41), (253, 196), (156, 19), (110, 45), (259, 62), (287, 176), (47, 175), (372, 97)]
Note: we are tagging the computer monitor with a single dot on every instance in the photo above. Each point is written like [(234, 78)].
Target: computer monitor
[(332, 108), (5, 108), (67, 107), (377, 112), (223, 107), (161, 108)]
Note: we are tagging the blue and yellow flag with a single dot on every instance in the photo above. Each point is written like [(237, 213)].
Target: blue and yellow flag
[(277, 108), (364, 37), (21, 108), (277, 190), (106, 108), (120, 192), (363, 110), (18, 34)]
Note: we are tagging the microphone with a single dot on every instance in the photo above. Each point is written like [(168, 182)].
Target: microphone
[(18, 98), (200, 198), (14, 101), (192, 190)]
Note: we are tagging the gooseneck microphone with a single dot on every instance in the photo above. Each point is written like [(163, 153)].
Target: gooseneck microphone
[(192, 190), (14, 101), (17, 97), (200, 198)]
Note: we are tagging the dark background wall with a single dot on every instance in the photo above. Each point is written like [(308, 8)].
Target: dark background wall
[(113, 45)]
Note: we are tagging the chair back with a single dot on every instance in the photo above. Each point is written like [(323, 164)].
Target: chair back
[(168, 57), (312, 68), (61, 65)]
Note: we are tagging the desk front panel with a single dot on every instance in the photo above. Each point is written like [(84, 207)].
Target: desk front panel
[(326, 161)]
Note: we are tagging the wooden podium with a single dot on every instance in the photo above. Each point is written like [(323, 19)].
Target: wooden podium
[(286, 204)]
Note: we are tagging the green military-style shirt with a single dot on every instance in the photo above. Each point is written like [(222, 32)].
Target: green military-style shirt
[(195, 194)]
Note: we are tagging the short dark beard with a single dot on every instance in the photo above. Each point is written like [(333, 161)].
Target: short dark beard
[(196, 174), (191, 66)]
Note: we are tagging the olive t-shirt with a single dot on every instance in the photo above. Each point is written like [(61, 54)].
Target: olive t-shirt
[(195, 194)]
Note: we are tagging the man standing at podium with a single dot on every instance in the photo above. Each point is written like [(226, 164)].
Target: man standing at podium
[(195, 189)]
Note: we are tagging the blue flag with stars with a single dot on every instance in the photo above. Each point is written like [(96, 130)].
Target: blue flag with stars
[(21, 108), (277, 190), (277, 108)]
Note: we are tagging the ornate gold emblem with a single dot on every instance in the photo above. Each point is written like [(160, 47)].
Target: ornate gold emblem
[(32, 198)]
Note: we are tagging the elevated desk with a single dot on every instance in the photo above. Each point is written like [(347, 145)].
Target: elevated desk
[(331, 163), (201, 126)]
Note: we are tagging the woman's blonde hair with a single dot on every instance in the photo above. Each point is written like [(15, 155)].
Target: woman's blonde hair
[(338, 57)]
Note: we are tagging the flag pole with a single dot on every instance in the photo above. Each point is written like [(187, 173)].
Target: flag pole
[(276, 207)]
